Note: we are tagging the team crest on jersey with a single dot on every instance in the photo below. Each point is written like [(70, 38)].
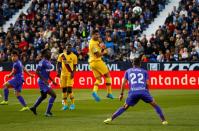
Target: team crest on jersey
[(65, 61)]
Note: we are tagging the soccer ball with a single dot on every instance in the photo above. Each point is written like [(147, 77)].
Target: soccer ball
[(137, 10)]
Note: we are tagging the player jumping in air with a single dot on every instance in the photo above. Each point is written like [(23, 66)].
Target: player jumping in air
[(98, 67), (138, 83), (43, 71), (16, 82), (66, 67)]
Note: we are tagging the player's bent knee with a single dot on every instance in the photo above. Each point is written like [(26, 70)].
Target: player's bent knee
[(43, 96), (72, 97), (126, 106), (54, 96), (153, 103), (17, 93), (6, 85), (107, 75), (108, 81), (108, 84), (97, 82)]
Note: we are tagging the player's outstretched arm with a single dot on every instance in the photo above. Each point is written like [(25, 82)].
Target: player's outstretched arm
[(52, 81), (12, 73), (122, 88)]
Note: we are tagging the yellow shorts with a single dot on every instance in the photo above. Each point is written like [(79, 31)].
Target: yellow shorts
[(66, 81), (98, 68)]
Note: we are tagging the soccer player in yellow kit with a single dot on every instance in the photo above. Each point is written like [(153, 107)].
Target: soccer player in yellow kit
[(98, 67), (66, 66)]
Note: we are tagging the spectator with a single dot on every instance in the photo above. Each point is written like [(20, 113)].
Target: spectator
[(177, 39), (54, 52), (185, 54), (133, 54), (160, 57), (49, 22)]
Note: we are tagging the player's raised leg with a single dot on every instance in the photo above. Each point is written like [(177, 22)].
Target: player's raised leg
[(97, 76), (50, 103), (17, 81), (17, 84), (95, 89), (38, 102), (104, 71), (108, 85)]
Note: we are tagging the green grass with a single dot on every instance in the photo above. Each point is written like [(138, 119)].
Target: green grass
[(180, 107)]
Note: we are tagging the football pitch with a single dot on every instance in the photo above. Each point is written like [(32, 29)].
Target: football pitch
[(181, 109)]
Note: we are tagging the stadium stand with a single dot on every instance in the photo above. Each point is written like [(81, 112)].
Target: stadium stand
[(8, 8), (52, 24), (178, 38)]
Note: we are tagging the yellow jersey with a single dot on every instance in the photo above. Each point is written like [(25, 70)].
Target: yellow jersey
[(71, 60), (93, 48)]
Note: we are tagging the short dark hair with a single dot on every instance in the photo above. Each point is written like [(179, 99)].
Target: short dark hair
[(15, 52), (68, 44), (44, 52), (95, 31), (137, 61)]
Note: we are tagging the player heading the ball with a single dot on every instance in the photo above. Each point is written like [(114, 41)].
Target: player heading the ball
[(98, 67)]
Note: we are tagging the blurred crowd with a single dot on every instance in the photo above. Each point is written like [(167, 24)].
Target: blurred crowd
[(54, 23), (9, 8), (177, 39)]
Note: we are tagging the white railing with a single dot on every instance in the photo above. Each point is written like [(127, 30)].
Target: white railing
[(16, 16)]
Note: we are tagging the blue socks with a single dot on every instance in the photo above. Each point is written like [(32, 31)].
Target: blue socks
[(6, 93), (118, 112), (50, 104), (21, 100), (39, 100), (159, 112)]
